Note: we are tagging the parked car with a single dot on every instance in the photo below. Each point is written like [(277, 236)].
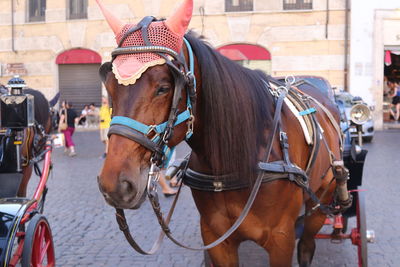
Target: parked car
[(348, 101)]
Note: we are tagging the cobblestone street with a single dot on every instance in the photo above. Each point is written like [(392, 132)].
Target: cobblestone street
[(86, 234)]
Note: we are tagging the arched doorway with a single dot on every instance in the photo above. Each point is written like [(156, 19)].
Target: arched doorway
[(248, 55), (79, 81)]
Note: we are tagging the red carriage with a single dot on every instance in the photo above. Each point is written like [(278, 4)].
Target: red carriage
[(25, 234)]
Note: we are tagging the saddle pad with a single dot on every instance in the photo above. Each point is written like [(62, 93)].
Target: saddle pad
[(301, 120), (307, 132)]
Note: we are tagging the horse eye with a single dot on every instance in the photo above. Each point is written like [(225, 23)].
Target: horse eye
[(162, 90)]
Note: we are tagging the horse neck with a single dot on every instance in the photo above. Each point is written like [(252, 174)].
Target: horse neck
[(232, 113)]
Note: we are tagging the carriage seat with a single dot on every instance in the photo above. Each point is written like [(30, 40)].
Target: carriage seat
[(10, 179)]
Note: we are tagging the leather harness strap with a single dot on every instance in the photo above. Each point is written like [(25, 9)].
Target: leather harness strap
[(123, 226), (218, 183), (312, 124), (134, 136)]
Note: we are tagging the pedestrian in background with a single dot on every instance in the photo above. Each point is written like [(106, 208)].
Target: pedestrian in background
[(69, 115), (82, 118), (395, 94), (105, 119), (92, 115)]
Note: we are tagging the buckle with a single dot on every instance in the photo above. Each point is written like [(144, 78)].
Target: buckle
[(152, 177), (217, 186), (283, 136), (190, 124), (152, 128)]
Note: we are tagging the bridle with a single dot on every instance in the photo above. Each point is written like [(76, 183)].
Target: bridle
[(155, 137)]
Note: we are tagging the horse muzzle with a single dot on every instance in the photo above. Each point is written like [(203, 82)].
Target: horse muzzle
[(125, 195)]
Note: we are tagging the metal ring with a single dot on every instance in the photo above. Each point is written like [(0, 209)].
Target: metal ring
[(290, 79), (151, 129), (281, 89)]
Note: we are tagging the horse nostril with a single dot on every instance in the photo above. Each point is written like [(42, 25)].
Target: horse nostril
[(128, 187)]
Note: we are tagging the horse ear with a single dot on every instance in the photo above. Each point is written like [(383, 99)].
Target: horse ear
[(180, 20), (115, 24)]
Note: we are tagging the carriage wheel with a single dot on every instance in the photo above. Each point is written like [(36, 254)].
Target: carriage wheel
[(38, 248), (362, 230)]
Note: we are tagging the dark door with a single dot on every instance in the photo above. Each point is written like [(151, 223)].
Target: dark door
[(80, 84)]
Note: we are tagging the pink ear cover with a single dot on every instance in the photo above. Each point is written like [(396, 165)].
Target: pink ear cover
[(115, 24), (179, 21), (129, 67)]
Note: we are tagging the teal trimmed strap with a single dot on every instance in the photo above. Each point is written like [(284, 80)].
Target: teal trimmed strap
[(145, 129), (307, 111)]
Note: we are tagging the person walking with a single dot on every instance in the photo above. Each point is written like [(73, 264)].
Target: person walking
[(68, 115), (395, 94), (105, 119)]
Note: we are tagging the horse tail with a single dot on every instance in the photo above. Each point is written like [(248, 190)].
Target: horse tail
[(54, 100)]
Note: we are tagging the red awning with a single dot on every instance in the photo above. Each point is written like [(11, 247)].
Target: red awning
[(78, 56), (245, 52), (233, 54)]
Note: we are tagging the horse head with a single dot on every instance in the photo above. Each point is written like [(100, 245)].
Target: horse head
[(145, 80)]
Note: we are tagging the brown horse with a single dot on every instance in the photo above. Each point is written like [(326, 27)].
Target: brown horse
[(34, 140), (233, 113), (35, 137)]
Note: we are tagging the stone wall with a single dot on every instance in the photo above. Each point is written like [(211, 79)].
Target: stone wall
[(299, 41)]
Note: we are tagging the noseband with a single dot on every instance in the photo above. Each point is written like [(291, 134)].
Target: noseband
[(155, 137)]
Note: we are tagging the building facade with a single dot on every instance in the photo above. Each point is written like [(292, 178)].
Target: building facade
[(375, 35), (58, 45)]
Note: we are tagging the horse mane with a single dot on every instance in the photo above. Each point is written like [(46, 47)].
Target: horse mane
[(235, 110), (42, 108)]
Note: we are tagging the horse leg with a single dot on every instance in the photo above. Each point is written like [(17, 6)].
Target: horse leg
[(226, 253), (306, 244), (26, 175), (280, 245)]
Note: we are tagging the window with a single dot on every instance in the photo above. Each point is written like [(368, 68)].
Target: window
[(77, 9), (238, 5), (297, 4), (36, 10)]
